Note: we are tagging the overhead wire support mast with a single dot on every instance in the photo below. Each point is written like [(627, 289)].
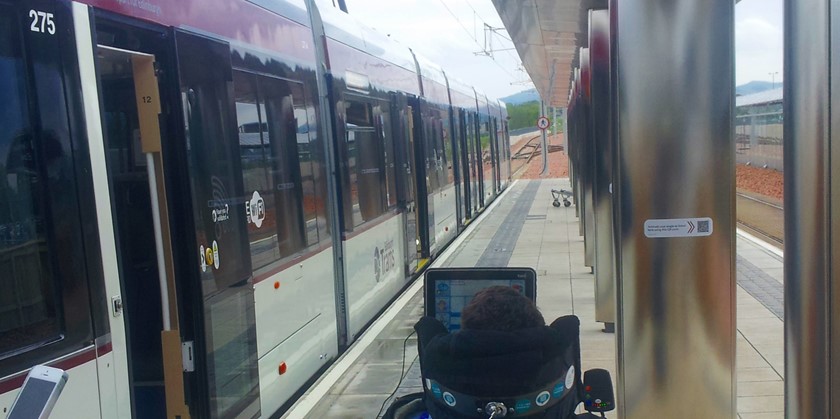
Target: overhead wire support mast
[(488, 41)]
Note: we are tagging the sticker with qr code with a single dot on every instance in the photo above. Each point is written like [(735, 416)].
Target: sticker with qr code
[(679, 227)]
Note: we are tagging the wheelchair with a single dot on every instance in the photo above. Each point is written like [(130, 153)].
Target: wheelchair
[(530, 373)]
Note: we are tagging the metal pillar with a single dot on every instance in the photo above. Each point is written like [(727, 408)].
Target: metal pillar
[(576, 144), (587, 159), (599, 59), (676, 209), (812, 196)]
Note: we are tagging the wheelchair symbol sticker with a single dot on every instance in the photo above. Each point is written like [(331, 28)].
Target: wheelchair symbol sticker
[(543, 398), (449, 399), (570, 377)]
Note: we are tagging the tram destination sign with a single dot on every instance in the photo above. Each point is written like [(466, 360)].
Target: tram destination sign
[(679, 227)]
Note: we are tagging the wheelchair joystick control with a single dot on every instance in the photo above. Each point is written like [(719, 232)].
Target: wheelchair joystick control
[(495, 410)]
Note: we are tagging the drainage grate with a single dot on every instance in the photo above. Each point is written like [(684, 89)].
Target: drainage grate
[(534, 217)]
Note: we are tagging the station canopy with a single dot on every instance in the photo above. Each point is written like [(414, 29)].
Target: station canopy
[(547, 35)]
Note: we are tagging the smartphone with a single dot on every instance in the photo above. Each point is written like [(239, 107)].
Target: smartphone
[(39, 393)]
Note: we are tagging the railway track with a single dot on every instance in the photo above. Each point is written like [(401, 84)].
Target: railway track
[(524, 156), (761, 217)]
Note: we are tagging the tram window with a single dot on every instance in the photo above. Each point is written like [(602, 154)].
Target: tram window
[(279, 102), (256, 176), (364, 163), (307, 168), (277, 169), (29, 311), (384, 127)]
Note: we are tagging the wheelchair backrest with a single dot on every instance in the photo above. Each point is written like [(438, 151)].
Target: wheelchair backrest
[(532, 372)]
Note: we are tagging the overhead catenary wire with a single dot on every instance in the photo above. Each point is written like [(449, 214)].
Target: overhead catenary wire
[(454, 16)]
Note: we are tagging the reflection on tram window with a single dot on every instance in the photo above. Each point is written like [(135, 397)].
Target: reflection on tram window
[(383, 119), (365, 163), (278, 167), (28, 302)]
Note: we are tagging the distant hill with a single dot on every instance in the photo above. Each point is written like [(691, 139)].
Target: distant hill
[(756, 87), (529, 95)]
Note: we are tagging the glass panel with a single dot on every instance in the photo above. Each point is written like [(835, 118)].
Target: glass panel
[(29, 311), (307, 167), (253, 150), (365, 163), (384, 125), (224, 264), (486, 156), (277, 99)]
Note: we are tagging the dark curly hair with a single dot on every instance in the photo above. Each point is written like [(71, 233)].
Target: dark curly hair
[(500, 308)]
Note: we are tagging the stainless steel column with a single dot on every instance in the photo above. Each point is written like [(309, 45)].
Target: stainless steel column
[(599, 63), (676, 300), (577, 144), (812, 196), (587, 161)]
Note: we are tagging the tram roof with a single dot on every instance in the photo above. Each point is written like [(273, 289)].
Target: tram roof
[(547, 35)]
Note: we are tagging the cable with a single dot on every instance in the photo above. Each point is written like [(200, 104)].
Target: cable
[(485, 22), (403, 373), (454, 16)]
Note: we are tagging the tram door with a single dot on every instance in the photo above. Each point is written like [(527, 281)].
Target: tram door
[(403, 123), (422, 165), (463, 150), (171, 124), (130, 113)]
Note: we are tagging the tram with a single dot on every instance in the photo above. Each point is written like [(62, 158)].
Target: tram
[(203, 203)]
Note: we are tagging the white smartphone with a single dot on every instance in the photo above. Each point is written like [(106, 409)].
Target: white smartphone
[(39, 393)]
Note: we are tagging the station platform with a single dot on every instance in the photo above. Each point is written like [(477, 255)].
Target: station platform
[(524, 229)]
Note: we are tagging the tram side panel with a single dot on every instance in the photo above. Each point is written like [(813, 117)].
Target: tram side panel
[(274, 194), (442, 196), (287, 209), (374, 228), (463, 105), (49, 242), (245, 194)]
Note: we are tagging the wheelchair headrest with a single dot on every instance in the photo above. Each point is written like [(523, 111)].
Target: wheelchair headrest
[(491, 363)]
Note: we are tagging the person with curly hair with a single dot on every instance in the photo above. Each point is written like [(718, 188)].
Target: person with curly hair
[(500, 308)]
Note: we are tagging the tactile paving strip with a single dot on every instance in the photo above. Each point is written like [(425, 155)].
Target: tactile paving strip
[(761, 286), (500, 250)]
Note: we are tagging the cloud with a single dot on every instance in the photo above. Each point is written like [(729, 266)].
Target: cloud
[(431, 30), (759, 41)]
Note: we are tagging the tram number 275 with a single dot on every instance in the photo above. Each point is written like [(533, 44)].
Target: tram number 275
[(42, 22)]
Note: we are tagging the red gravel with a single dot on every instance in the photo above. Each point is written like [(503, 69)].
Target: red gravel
[(766, 182), (558, 162)]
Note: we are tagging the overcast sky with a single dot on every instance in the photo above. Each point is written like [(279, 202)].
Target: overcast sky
[(450, 32)]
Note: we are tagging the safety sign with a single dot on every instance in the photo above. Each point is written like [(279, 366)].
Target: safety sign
[(543, 123)]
